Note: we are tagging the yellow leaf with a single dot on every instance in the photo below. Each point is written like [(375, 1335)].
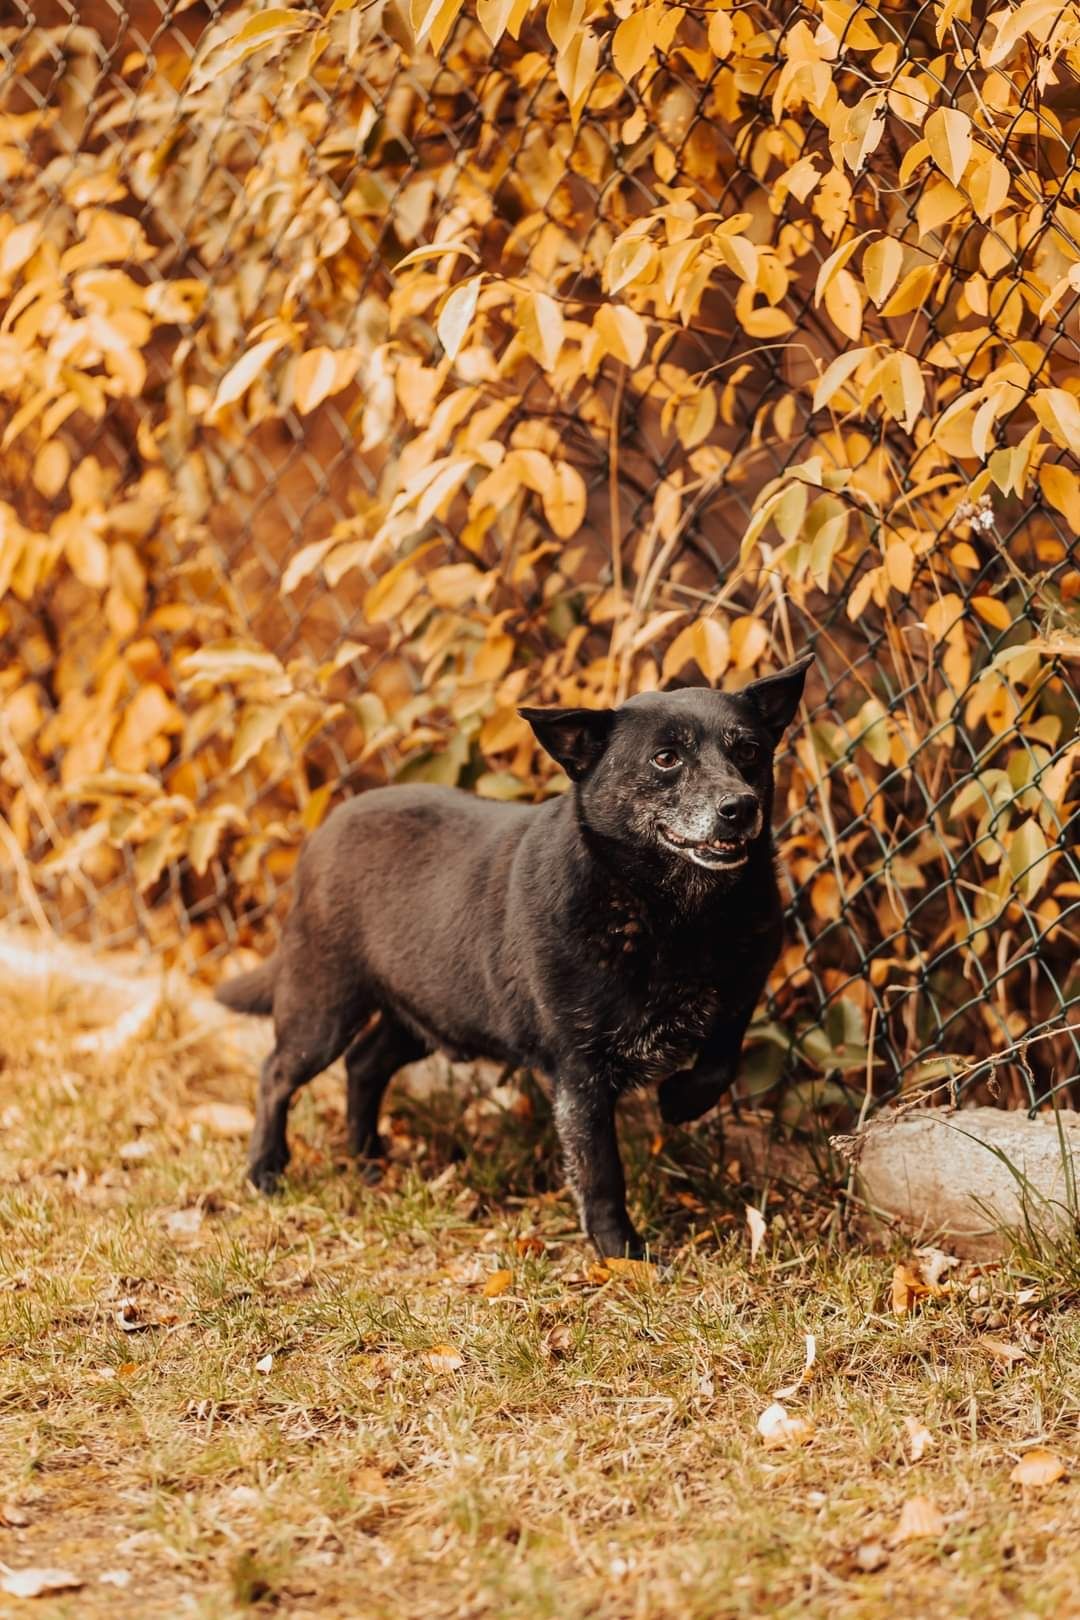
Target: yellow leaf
[(497, 1284), (87, 554), (992, 612), (632, 1271), (721, 35), (305, 562), (623, 332), (835, 263), (844, 303), (765, 322), (443, 1358), (881, 265), (456, 315), (1062, 489), (255, 730), (908, 1286), (696, 418), (540, 322), (902, 388), (988, 186), (321, 372), (836, 375), (749, 639), (1038, 1468), (239, 378), (1059, 413), (920, 1520), (948, 134), (937, 206), (633, 42), (738, 254), (632, 259), (17, 247), (575, 70), (51, 466), (912, 291), (497, 17), (706, 642), (564, 500), (944, 616), (900, 565), (1029, 865)]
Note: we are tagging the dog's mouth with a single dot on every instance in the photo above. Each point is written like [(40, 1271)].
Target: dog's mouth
[(717, 853)]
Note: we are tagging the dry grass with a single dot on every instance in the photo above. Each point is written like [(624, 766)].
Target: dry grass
[(594, 1454)]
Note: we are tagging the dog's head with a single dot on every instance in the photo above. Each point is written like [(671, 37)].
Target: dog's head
[(680, 777)]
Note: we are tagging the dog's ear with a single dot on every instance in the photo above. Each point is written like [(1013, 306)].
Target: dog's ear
[(575, 738), (776, 697)]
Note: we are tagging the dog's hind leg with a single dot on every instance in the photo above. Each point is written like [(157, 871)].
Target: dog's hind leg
[(309, 1037), (371, 1062)]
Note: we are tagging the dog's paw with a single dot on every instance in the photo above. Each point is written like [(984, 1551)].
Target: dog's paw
[(265, 1176), (683, 1098)]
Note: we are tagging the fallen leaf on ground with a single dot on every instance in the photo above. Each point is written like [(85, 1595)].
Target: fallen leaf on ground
[(777, 1428), (908, 1286), (32, 1583), (497, 1284), (919, 1438), (755, 1222), (129, 1317), (224, 1119), (920, 1519), (530, 1246), (264, 1363), (871, 1555), (1038, 1467), (635, 1271), (597, 1274), (368, 1482), (184, 1222), (933, 1264), (804, 1377), (560, 1341), (12, 1515), (1001, 1350), (135, 1152), (443, 1358)]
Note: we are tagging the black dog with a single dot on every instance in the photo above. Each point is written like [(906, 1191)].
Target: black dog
[(617, 934)]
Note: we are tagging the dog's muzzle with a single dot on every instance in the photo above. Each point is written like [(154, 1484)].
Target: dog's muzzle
[(720, 854)]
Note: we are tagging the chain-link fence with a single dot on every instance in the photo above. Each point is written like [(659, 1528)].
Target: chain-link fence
[(212, 629)]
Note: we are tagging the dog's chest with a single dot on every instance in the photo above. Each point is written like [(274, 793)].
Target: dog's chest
[(664, 1032)]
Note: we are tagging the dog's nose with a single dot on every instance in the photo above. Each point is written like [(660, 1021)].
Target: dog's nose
[(737, 812)]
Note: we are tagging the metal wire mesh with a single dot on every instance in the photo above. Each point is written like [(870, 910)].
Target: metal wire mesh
[(903, 966)]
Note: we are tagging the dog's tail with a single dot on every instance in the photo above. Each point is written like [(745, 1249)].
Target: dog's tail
[(250, 992)]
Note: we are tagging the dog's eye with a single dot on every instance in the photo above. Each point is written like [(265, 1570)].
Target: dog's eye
[(666, 760), (747, 752)]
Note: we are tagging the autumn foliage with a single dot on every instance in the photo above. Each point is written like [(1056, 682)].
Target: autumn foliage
[(366, 372)]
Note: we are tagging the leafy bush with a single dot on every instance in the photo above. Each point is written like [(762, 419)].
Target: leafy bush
[(367, 373)]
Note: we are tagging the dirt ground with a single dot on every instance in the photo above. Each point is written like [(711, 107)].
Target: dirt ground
[(421, 1397)]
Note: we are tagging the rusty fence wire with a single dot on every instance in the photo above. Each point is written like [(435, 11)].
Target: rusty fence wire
[(905, 962)]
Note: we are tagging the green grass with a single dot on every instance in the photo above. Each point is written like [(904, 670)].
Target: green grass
[(596, 1452)]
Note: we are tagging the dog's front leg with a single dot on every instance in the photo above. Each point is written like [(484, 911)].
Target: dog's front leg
[(585, 1121), (692, 1092)]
